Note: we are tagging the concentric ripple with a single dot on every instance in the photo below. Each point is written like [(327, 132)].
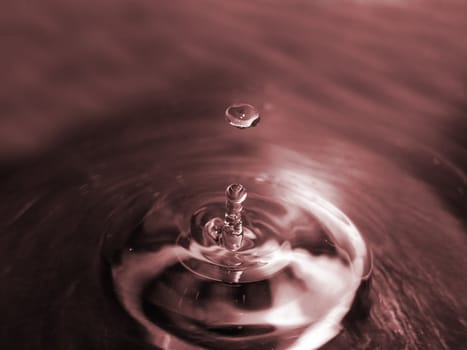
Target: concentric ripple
[(289, 286)]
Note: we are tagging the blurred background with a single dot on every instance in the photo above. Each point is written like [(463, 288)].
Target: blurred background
[(390, 63)]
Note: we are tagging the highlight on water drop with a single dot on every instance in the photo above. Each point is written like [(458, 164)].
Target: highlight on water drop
[(242, 115)]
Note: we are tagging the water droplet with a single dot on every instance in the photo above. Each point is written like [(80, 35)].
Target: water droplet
[(236, 193), (242, 115)]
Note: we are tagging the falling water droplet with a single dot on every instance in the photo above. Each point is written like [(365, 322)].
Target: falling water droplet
[(242, 115)]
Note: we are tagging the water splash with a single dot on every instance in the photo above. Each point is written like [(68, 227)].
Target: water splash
[(190, 292)]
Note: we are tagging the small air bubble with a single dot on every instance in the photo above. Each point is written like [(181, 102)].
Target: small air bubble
[(242, 115)]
